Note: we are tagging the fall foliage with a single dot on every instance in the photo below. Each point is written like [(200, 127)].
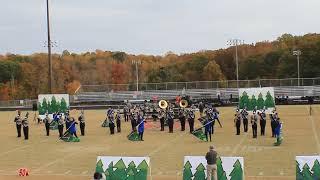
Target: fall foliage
[(27, 76)]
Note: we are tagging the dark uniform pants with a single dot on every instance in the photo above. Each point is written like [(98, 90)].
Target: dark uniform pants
[(208, 133), (262, 127), (47, 128), (133, 125), (170, 123), (82, 128), (245, 125), (118, 126), (18, 129), (254, 130), (141, 136), (60, 128), (238, 127), (183, 123), (26, 132), (162, 124), (111, 129), (191, 124)]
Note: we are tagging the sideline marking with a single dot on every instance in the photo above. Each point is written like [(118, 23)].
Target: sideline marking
[(315, 132)]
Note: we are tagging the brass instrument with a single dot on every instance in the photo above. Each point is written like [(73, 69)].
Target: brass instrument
[(163, 104), (183, 103)]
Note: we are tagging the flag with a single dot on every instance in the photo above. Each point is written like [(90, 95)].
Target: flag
[(200, 134), (133, 136), (67, 137), (105, 123), (54, 125)]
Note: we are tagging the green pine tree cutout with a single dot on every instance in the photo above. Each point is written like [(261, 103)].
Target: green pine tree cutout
[(237, 172), (220, 171), (269, 102), (307, 175), (44, 106), (142, 171), (53, 104), (199, 174), (99, 167), (244, 100), (187, 173), (260, 102), (132, 167), (299, 175), (109, 172), (316, 170), (253, 103), (130, 175), (120, 172), (63, 106)]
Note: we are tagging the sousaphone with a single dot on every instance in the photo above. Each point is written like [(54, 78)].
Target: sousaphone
[(163, 104), (183, 103)]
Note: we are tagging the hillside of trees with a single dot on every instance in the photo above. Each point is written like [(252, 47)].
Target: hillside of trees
[(27, 76)]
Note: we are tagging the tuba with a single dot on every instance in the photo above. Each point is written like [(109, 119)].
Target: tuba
[(163, 104), (183, 103)]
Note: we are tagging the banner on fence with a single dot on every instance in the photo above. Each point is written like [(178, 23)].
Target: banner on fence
[(52, 103), (127, 168), (257, 98), (307, 167), (228, 168)]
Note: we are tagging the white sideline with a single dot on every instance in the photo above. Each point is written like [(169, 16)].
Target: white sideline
[(315, 132)]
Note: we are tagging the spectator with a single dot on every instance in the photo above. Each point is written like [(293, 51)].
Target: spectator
[(97, 176), (211, 158)]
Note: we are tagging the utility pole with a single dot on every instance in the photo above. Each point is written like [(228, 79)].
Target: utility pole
[(136, 63), (298, 53), (49, 51), (236, 43)]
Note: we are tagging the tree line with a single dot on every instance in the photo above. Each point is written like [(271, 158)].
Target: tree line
[(27, 76)]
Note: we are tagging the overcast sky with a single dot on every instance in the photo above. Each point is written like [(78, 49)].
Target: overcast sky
[(150, 26)]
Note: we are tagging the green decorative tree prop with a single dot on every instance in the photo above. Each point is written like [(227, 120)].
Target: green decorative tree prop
[(40, 109), (269, 102), (130, 175), (244, 100), (187, 173), (109, 172), (53, 106), (44, 106), (306, 172), (316, 170), (199, 174), (99, 167), (49, 108), (220, 171), (120, 172), (260, 101), (142, 171), (58, 106), (63, 106), (253, 103), (132, 167), (236, 173), (299, 175)]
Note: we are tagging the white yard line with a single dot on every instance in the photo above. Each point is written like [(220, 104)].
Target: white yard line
[(235, 149), (13, 150), (315, 133), (165, 144)]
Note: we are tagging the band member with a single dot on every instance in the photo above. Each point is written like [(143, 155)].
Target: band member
[(60, 126), (244, 116), (191, 117), (67, 120), (111, 124), (126, 113), (162, 115), (25, 124), (141, 122), (118, 122), (262, 122), (201, 108), (170, 117), (208, 127), (18, 122), (81, 119), (273, 118), (254, 121), (133, 121), (47, 122), (182, 119), (72, 127), (237, 122)]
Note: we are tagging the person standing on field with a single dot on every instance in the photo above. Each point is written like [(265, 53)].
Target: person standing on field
[(211, 158)]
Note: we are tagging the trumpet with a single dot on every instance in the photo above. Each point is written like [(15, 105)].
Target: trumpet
[(183, 103), (163, 104)]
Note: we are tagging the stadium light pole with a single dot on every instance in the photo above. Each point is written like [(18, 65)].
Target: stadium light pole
[(236, 43), (49, 49), (298, 53), (136, 63)]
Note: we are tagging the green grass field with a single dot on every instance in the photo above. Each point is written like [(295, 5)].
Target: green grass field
[(50, 158)]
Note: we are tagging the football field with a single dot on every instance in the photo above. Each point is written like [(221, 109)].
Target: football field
[(50, 158)]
